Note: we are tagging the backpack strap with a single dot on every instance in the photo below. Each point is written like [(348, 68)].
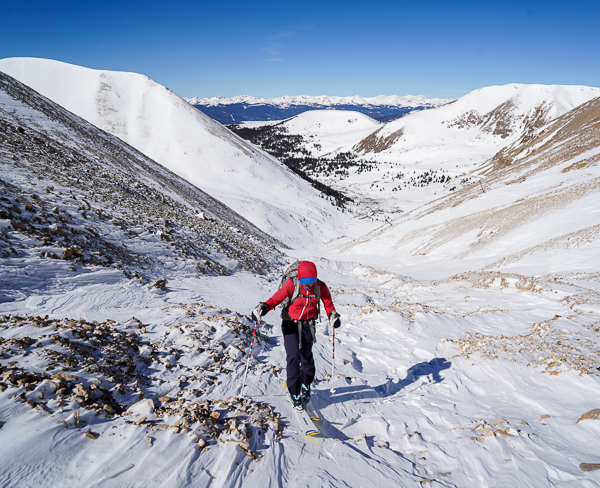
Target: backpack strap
[(297, 289), (318, 294)]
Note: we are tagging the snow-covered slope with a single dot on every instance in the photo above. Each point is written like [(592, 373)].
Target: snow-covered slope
[(327, 130), (72, 191), (482, 379), (473, 128), (319, 123), (533, 209), (163, 126)]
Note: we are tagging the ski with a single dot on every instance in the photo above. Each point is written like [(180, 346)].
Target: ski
[(306, 422), (312, 411)]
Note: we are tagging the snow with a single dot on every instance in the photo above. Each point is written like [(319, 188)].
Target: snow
[(453, 371), (330, 129)]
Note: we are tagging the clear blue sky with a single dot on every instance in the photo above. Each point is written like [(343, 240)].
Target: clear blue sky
[(269, 49)]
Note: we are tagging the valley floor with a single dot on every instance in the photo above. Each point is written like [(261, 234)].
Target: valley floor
[(478, 380)]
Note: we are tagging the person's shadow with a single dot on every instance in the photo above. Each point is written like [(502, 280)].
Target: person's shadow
[(345, 390)]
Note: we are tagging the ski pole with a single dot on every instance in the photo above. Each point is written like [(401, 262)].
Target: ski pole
[(333, 363), (249, 356)]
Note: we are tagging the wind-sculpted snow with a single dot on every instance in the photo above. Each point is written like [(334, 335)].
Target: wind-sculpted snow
[(484, 375), (167, 129)]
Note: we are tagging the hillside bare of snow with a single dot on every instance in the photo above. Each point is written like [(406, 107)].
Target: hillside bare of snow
[(164, 127)]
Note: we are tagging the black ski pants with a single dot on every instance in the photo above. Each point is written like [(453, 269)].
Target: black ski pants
[(300, 361)]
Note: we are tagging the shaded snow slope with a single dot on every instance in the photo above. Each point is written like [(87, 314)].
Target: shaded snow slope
[(163, 126), (534, 210)]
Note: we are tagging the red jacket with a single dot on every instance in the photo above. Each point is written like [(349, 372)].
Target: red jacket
[(303, 308)]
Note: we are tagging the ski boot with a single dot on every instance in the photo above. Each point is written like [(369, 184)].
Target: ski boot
[(297, 402), (306, 393)]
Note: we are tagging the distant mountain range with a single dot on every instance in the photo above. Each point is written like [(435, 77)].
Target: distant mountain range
[(245, 108)]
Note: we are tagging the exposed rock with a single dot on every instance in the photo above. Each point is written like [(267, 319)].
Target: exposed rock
[(589, 467), (591, 415), (92, 435), (161, 284)]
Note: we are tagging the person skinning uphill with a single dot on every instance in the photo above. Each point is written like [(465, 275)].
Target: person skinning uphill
[(303, 294)]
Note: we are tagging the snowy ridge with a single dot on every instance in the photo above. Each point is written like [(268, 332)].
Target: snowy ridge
[(317, 123), (164, 127), (467, 355), (323, 101), (431, 153), (489, 118)]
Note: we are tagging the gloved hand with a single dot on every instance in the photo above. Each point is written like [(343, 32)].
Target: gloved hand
[(261, 309), (334, 319)]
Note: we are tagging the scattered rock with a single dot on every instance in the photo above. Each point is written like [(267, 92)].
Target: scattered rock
[(67, 253), (18, 225), (161, 284), (591, 415)]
